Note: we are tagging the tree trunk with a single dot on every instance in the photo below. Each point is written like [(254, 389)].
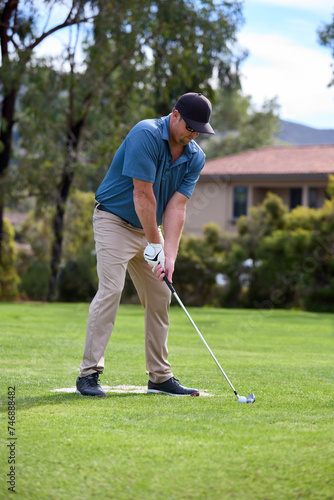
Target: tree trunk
[(1, 233), (62, 196), (58, 227), (7, 122)]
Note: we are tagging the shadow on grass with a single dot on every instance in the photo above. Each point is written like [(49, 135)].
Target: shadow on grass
[(24, 403)]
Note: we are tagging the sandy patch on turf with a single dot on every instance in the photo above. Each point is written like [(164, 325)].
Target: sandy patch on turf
[(121, 389)]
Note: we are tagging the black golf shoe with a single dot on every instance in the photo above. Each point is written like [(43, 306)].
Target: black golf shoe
[(89, 386), (171, 387)]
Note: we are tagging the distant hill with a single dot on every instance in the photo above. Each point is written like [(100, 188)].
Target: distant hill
[(301, 135)]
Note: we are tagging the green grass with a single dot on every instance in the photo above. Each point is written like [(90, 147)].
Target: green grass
[(132, 446)]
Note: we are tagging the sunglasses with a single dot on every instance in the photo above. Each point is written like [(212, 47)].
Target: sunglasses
[(188, 127)]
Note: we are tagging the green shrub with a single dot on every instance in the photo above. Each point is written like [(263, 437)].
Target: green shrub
[(292, 255), (34, 281), (78, 279), (9, 278), (198, 263)]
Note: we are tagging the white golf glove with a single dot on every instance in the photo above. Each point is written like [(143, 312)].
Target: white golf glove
[(154, 255)]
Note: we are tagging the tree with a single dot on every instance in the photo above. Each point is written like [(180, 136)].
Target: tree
[(116, 37), (119, 36), (118, 71), (194, 40), (326, 38), (20, 34)]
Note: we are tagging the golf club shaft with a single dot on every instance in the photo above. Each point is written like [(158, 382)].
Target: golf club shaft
[(172, 289)]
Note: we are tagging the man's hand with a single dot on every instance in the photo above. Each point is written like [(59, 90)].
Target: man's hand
[(154, 255)]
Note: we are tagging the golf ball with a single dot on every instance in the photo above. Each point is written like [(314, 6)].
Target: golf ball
[(242, 399)]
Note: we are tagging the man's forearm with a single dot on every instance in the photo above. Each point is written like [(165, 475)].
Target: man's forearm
[(173, 224), (145, 206)]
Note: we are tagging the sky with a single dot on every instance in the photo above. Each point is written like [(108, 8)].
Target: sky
[(285, 59)]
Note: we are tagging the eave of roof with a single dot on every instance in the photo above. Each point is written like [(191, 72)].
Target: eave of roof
[(265, 177), (274, 162)]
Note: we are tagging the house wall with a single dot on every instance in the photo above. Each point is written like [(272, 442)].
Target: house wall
[(212, 200), (282, 189)]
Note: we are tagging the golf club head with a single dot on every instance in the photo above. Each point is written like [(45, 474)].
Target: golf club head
[(250, 398)]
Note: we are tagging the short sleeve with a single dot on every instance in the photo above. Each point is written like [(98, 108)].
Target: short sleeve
[(189, 181), (141, 155)]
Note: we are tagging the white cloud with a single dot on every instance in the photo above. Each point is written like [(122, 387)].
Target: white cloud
[(318, 5), (299, 76)]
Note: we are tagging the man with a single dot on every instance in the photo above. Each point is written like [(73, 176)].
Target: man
[(150, 179)]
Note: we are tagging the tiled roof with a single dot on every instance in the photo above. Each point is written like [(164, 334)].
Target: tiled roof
[(274, 160)]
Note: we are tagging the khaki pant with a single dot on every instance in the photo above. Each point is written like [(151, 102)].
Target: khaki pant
[(120, 246)]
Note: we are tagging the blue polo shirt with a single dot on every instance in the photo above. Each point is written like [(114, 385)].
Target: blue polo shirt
[(145, 154)]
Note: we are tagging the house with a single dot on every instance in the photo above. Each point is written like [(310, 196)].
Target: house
[(228, 187)]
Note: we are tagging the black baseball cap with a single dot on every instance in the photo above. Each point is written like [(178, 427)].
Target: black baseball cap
[(195, 110)]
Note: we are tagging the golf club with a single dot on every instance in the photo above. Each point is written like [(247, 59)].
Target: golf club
[(241, 399)]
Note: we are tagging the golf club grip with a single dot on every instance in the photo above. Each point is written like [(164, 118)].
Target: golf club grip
[(168, 283)]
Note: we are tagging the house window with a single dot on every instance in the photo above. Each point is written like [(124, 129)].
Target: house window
[(239, 201), (295, 197), (313, 198)]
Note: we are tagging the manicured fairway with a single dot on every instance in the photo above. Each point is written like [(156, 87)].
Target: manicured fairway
[(135, 446)]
